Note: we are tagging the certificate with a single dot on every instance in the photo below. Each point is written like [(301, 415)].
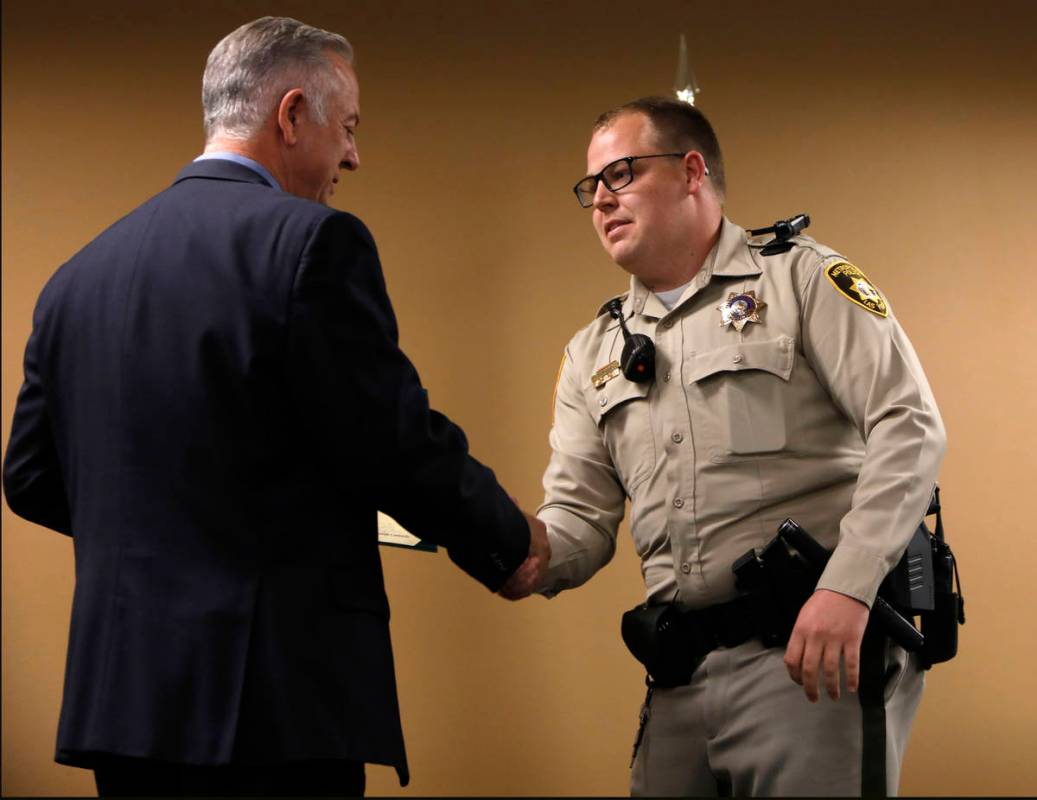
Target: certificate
[(391, 533)]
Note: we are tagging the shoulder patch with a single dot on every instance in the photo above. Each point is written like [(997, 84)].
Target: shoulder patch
[(854, 285)]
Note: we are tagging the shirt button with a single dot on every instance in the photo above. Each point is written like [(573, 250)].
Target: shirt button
[(685, 568), (667, 323), (666, 377), (602, 401), (678, 502), (678, 437), (737, 358)]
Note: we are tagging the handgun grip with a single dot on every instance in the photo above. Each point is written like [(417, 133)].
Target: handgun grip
[(897, 627), (804, 544)]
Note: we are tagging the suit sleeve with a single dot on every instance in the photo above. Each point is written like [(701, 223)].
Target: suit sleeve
[(33, 482), (583, 496), (873, 374), (366, 406)]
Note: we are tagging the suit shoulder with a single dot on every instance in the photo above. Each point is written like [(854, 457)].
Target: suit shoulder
[(301, 217), (282, 204), (348, 223)]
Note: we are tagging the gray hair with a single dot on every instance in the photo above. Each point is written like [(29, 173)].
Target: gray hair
[(252, 68)]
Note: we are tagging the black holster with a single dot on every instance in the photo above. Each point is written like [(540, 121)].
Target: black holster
[(672, 642), (660, 639), (777, 582)]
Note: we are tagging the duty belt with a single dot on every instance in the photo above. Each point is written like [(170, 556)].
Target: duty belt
[(671, 643), (722, 625)]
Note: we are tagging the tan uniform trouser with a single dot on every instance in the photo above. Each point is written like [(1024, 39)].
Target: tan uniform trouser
[(743, 728)]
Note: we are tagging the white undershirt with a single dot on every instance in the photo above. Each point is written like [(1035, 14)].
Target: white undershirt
[(669, 298)]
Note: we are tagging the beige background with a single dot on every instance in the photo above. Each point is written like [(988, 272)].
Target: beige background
[(906, 129)]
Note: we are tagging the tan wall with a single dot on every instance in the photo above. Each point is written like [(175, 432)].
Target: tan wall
[(906, 129)]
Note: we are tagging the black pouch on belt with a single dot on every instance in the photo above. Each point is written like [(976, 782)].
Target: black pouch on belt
[(925, 583), (659, 638), (940, 626)]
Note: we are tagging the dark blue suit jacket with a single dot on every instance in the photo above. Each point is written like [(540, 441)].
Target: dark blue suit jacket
[(214, 407)]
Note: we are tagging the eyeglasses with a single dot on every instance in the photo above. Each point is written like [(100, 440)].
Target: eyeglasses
[(615, 176)]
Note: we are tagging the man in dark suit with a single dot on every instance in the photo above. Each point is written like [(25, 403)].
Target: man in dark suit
[(214, 407)]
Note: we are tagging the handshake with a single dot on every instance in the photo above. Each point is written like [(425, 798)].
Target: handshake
[(530, 574)]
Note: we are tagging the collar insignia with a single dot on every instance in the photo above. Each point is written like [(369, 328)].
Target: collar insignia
[(741, 309), (605, 374)]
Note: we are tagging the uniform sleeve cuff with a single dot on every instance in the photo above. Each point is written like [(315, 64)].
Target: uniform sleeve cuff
[(578, 550), (854, 572)]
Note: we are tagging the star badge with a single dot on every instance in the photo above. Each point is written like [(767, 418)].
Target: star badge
[(741, 309)]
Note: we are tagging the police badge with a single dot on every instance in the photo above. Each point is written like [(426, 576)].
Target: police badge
[(741, 309), (854, 285)]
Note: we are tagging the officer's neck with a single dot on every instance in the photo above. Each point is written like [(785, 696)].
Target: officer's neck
[(669, 272)]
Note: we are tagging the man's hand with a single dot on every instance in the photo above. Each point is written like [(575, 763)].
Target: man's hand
[(530, 574), (830, 626)]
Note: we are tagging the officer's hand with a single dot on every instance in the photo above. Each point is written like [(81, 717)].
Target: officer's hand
[(530, 574), (830, 626)]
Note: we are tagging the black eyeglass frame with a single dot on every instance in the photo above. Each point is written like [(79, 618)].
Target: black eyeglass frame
[(599, 177)]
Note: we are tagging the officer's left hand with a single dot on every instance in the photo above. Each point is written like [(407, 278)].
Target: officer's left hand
[(830, 626)]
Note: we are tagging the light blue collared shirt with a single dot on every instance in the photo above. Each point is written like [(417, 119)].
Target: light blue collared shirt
[(245, 161)]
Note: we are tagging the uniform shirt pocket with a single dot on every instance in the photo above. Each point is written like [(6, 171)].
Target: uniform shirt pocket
[(743, 403), (623, 414)]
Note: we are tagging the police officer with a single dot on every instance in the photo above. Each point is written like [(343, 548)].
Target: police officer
[(783, 387)]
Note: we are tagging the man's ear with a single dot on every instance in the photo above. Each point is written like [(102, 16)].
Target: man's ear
[(695, 170), (288, 111)]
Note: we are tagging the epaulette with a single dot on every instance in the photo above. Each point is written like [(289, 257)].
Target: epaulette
[(762, 240), (785, 231), (846, 278)]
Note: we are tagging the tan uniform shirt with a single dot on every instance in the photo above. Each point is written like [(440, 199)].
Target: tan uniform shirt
[(819, 411)]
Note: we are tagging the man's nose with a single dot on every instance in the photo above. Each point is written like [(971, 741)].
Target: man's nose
[(351, 161), (603, 196)]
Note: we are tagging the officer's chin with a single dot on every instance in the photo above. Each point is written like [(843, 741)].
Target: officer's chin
[(622, 255)]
